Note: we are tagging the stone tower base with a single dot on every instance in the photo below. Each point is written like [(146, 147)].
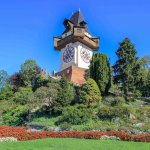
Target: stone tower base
[(74, 74)]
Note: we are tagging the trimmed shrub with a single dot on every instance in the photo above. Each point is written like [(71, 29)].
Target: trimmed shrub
[(90, 93), (76, 115)]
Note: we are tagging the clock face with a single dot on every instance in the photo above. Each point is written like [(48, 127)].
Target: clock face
[(68, 54), (85, 55)]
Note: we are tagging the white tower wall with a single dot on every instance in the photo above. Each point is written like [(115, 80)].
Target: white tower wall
[(77, 60)]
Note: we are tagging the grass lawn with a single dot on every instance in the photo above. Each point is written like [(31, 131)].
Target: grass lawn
[(74, 144)]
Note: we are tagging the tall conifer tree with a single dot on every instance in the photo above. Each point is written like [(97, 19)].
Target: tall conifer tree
[(100, 72), (126, 68)]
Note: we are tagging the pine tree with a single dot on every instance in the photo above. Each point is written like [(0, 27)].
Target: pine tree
[(126, 68), (100, 72)]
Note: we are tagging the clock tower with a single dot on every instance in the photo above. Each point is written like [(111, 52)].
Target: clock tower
[(76, 45)]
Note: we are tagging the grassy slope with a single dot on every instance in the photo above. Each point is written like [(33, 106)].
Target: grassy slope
[(74, 144)]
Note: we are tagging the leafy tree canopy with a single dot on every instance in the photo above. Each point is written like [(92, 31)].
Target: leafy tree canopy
[(23, 95), (45, 95), (29, 70)]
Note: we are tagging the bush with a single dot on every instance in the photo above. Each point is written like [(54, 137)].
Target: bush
[(77, 114), (113, 101), (65, 126), (16, 116), (108, 112), (143, 113), (90, 93), (65, 96), (105, 112), (23, 96), (118, 101)]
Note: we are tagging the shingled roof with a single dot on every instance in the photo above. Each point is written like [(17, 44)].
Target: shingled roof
[(78, 20)]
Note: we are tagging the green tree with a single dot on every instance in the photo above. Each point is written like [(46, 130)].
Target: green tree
[(65, 95), (90, 93), (45, 96), (23, 95), (6, 92), (144, 83), (16, 81), (143, 78), (3, 79), (100, 72), (126, 68), (41, 80), (29, 70)]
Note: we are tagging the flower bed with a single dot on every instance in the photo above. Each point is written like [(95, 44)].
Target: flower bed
[(23, 133), (8, 139)]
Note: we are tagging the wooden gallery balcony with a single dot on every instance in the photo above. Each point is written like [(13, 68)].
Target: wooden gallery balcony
[(77, 34)]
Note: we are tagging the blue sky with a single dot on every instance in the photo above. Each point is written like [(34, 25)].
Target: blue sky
[(27, 28)]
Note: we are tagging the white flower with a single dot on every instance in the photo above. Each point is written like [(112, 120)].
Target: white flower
[(8, 139)]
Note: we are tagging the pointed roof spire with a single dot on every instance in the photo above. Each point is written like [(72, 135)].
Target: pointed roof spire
[(77, 18)]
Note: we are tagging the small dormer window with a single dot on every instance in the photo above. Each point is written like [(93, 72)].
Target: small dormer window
[(83, 23)]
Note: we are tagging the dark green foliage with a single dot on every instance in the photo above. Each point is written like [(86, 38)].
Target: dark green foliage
[(126, 68), (65, 95), (40, 80), (15, 116), (90, 93), (77, 114), (100, 72)]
